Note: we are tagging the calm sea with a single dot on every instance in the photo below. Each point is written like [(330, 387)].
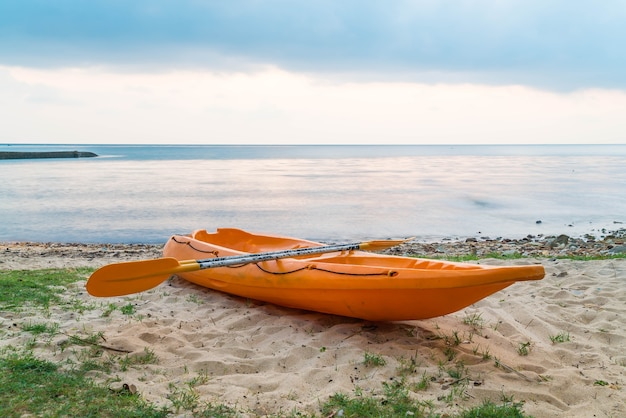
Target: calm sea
[(132, 194)]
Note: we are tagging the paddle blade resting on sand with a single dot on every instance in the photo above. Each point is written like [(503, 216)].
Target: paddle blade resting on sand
[(136, 276)]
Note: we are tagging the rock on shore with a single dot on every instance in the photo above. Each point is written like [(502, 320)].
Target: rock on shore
[(33, 255), (611, 243)]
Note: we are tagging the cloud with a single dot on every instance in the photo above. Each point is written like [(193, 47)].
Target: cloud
[(278, 71), (557, 44), (278, 107)]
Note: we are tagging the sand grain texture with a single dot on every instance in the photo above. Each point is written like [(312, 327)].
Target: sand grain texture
[(263, 359)]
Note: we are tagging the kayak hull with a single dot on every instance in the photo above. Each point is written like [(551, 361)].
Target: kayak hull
[(356, 284)]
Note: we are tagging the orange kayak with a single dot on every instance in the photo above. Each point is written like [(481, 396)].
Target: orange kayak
[(356, 284)]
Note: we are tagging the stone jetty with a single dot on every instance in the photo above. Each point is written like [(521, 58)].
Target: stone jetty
[(46, 154)]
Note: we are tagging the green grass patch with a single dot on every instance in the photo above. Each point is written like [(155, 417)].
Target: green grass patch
[(475, 257), (36, 287), (491, 410), (41, 328), (128, 309), (397, 401), (35, 387)]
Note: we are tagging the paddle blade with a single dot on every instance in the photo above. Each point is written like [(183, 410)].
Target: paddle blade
[(134, 276), (382, 244)]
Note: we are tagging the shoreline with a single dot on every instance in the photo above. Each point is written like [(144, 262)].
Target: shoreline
[(14, 255), (611, 243)]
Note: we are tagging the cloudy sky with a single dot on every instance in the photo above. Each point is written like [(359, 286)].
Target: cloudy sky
[(313, 72)]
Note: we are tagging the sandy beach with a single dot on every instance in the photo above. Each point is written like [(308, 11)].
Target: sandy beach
[(558, 345)]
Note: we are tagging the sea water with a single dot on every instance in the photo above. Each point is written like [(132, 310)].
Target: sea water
[(138, 193)]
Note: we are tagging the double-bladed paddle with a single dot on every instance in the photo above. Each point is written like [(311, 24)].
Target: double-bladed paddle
[(136, 276)]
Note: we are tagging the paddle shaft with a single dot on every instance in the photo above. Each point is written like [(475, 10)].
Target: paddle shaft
[(272, 255)]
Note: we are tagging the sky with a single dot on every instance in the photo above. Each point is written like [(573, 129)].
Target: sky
[(313, 72)]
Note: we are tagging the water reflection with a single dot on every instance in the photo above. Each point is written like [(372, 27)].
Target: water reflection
[(128, 200)]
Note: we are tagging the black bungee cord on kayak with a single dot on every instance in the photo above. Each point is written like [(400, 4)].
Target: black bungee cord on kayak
[(280, 273)]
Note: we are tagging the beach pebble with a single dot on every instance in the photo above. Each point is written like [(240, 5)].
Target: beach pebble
[(620, 249), (119, 387)]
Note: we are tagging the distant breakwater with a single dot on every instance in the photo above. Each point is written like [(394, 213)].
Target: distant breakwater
[(50, 154)]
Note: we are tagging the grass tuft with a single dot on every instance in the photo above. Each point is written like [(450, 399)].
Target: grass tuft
[(523, 349), (41, 328), (128, 309), (561, 337), (373, 360)]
